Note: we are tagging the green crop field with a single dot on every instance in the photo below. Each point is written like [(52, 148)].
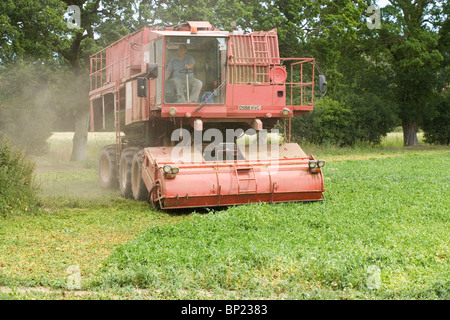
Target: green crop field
[(382, 232)]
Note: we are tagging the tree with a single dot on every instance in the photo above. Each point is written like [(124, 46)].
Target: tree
[(75, 48), (411, 47), (28, 69), (29, 29), (436, 123), (336, 34), (37, 30)]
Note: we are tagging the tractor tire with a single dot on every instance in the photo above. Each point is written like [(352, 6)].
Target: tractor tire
[(125, 172), (107, 167), (138, 187)]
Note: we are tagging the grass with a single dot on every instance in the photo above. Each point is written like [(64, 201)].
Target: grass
[(398, 222), (389, 210), (71, 232), (78, 224)]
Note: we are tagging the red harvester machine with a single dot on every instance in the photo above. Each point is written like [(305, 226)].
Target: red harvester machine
[(170, 147)]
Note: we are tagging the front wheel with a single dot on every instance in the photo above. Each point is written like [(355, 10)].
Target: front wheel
[(138, 187)]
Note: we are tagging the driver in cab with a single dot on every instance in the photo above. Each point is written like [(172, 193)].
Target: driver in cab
[(181, 70)]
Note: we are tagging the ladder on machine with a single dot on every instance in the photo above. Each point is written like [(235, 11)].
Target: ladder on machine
[(230, 149), (261, 55), (251, 177), (117, 126)]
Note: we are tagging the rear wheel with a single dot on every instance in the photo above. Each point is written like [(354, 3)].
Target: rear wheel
[(107, 167), (138, 187), (125, 172)]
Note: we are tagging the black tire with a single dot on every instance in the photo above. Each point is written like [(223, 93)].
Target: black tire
[(125, 172), (138, 187), (107, 167)]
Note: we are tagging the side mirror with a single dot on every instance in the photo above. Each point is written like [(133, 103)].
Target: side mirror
[(152, 71), (142, 87), (322, 83)]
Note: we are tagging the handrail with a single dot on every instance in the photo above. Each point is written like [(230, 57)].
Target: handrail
[(246, 76)]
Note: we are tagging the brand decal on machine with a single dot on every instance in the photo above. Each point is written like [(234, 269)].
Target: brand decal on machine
[(249, 107)]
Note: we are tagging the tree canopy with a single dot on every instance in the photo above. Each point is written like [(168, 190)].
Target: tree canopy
[(379, 78)]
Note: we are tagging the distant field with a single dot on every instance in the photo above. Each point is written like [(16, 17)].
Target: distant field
[(395, 139), (386, 209)]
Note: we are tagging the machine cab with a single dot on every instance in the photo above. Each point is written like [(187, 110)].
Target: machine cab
[(192, 65), (198, 64)]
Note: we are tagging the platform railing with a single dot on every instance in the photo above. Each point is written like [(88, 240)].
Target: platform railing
[(102, 73), (299, 81)]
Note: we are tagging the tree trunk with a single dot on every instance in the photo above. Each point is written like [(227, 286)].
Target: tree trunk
[(80, 101), (81, 135), (410, 134)]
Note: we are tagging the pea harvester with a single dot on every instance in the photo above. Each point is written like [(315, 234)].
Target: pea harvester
[(229, 144)]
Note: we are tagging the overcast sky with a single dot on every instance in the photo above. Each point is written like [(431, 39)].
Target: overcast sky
[(382, 3)]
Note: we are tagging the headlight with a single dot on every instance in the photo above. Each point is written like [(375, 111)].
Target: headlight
[(312, 164), (172, 111), (170, 172), (320, 163), (285, 112)]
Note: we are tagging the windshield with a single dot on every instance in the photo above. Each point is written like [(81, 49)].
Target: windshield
[(195, 70)]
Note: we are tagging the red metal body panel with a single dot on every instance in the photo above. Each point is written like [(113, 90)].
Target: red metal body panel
[(241, 94)]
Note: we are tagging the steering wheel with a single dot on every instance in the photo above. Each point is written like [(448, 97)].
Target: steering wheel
[(185, 71)]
